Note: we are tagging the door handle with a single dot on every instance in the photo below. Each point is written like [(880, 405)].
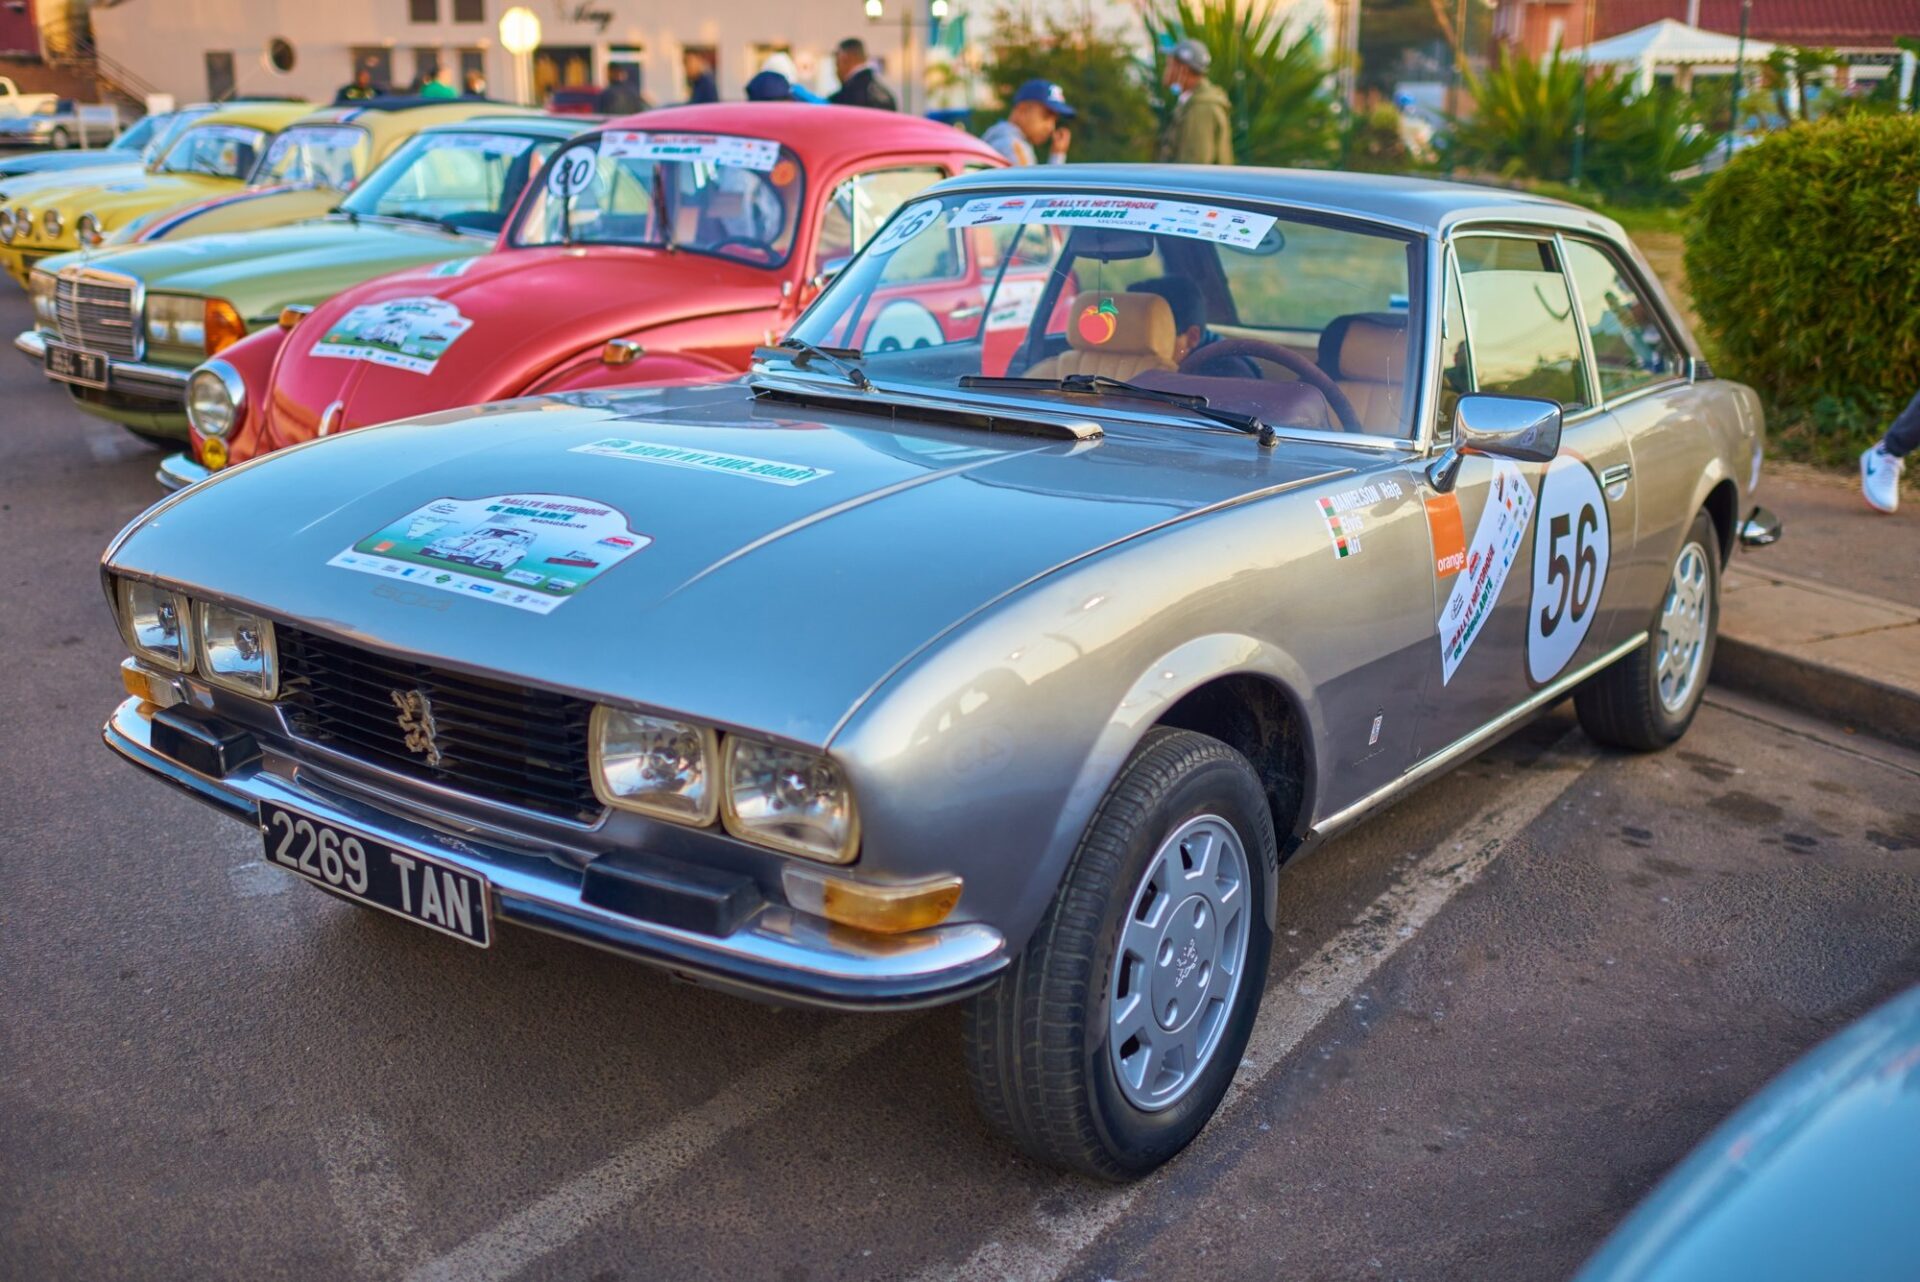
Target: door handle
[(1614, 479), (965, 313)]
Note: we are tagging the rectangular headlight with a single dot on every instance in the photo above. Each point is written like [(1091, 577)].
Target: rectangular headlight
[(237, 650), (157, 623), (792, 800), (175, 320), (654, 765), (41, 286)]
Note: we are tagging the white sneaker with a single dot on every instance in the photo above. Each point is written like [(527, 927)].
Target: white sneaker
[(1880, 478)]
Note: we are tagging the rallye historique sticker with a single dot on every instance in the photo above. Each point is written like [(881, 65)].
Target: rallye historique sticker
[(526, 551), (1497, 539), (1186, 218), (757, 469), (403, 333)]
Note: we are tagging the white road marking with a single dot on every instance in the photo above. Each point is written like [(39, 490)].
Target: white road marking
[(368, 1195), (256, 878), (562, 1215), (1069, 1218)]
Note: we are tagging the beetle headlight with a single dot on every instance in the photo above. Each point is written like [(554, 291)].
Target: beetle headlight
[(157, 622), (216, 398), (175, 320), (792, 800), (41, 286), (237, 650), (655, 765), (51, 223), (87, 229)]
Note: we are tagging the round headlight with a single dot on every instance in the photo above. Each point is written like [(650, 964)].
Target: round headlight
[(51, 223), (87, 228), (23, 222), (216, 398), (6, 226)]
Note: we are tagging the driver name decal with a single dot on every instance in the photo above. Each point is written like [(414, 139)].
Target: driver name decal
[(1497, 540), (524, 551), (1341, 512), (754, 469), (402, 333)]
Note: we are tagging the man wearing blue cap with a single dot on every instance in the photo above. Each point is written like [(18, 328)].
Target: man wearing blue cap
[(1039, 107)]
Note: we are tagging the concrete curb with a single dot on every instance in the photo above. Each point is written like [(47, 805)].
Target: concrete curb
[(1857, 702)]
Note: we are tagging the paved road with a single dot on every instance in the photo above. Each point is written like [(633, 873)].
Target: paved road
[(1496, 1016)]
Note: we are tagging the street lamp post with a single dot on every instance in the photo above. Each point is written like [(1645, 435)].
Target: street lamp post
[(1580, 97), (1739, 75), (520, 36), (877, 12)]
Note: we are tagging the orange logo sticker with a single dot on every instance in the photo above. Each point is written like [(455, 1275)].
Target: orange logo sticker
[(1098, 324), (1448, 534)]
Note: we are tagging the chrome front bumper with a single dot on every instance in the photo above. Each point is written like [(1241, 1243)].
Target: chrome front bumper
[(134, 378), (776, 954), (178, 471)]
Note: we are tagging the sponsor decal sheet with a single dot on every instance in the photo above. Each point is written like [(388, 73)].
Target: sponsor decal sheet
[(402, 333), (1186, 218), (1497, 540)]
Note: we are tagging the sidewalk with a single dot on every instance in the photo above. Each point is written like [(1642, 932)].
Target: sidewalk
[(1828, 619)]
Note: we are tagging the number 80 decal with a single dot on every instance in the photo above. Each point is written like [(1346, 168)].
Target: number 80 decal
[(1571, 542)]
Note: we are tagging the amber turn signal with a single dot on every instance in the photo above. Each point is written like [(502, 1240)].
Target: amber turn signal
[(295, 313), (224, 326), (149, 687), (213, 453), (621, 351), (886, 908)]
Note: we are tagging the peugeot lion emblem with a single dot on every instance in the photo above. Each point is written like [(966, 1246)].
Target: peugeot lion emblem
[(416, 722)]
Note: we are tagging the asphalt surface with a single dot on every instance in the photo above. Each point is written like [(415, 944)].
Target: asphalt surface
[(1495, 1017)]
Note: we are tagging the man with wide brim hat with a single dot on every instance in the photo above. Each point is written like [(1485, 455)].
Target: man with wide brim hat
[(1201, 130)]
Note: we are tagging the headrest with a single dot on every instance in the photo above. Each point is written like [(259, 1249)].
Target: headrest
[(1121, 324), (1370, 347)]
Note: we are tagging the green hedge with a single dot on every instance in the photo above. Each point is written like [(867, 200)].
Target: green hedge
[(1804, 258)]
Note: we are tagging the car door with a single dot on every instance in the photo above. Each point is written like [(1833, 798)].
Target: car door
[(1522, 552)]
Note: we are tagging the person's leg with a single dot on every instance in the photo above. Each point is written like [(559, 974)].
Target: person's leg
[(1880, 467), (1904, 436)]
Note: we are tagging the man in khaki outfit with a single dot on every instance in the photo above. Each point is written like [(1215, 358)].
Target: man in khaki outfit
[(1200, 132)]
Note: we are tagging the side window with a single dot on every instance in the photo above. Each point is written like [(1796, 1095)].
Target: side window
[(1524, 336), (1631, 348), (859, 205), (1456, 366)]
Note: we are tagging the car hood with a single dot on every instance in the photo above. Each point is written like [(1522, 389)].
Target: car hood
[(29, 185), (118, 199), (527, 310), (791, 557), (52, 162), (264, 270)]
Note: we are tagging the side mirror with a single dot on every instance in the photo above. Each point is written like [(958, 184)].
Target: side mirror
[(1521, 428)]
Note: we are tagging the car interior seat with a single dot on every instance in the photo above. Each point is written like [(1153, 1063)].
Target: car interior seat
[(1366, 354), (1114, 334)]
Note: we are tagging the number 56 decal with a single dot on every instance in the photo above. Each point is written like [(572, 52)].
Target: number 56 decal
[(1571, 540)]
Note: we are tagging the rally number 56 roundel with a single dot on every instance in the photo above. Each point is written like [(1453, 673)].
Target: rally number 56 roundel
[(1571, 539)]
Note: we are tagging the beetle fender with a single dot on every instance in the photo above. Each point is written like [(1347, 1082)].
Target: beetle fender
[(587, 370), (254, 356)]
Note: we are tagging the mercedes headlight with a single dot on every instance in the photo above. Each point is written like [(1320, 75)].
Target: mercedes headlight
[(6, 226), (157, 623), (176, 320), (655, 765), (789, 799), (51, 223), (87, 229), (216, 398), (237, 650), (41, 285)]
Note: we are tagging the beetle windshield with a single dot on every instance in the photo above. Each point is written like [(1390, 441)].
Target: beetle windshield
[(222, 151), (714, 194), (1297, 320), (465, 181), (322, 155)]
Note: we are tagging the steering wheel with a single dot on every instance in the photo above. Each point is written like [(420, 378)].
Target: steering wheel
[(760, 247), (1203, 358)]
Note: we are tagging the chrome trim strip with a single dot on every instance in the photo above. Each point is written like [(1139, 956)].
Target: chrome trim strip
[(1466, 744), (778, 953), (177, 472)]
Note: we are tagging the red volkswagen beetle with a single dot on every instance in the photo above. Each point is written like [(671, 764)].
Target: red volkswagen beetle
[(656, 248)]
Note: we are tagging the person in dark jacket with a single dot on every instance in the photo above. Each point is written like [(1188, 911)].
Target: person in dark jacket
[(859, 79), (360, 89), (701, 86), (619, 98)]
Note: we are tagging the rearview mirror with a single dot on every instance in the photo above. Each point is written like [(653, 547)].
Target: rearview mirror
[(1522, 428)]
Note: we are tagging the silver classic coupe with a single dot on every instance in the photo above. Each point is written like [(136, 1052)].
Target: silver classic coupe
[(992, 641)]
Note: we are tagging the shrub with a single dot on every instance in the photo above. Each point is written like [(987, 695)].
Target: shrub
[(1097, 70), (1805, 261), (1276, 82)]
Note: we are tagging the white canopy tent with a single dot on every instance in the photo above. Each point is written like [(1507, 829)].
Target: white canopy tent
[(1669, 44)]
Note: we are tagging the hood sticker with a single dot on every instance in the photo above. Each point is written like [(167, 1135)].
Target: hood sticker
[(1218, 223), (403, 333), (1496, 541), (525, 551), (755, 469)]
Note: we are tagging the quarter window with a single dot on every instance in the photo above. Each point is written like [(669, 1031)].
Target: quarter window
[(859, 206), (1631, 349), (1520, 319)]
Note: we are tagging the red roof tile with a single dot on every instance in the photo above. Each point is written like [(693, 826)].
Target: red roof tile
[(1843, 24)]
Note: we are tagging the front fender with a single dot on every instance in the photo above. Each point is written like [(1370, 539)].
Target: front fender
[(586, 370), (254, 357)]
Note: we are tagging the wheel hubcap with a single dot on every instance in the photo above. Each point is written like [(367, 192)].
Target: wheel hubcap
[(1178, 966), (1683, 628)]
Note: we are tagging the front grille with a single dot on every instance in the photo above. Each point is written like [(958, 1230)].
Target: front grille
[(95, 311), (497, 741)]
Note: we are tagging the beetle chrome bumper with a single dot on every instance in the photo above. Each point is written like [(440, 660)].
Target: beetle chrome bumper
[(776, 954), (178, 471)]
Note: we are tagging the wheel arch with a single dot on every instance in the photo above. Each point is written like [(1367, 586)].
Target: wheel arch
[(1722, 505)]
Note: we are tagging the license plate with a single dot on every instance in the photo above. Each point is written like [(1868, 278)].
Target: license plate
[(72, 365), (405, 883)]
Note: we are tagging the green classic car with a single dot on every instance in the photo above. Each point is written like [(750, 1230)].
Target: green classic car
[(122, 327)]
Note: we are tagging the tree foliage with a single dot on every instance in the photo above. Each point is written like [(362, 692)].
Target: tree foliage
[(1277, 83), (1095, 68)]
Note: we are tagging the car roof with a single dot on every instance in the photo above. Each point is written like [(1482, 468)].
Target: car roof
[(821, 134), (1421, 204), (390, 119), (533, 125), (269, 116)]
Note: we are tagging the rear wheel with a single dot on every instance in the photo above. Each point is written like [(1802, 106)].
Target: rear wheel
[(1113, 1036), (1648, 699)]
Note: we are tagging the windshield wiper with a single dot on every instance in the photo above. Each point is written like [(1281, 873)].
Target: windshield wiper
[(1105, 385), (798, 352), (660, 210)]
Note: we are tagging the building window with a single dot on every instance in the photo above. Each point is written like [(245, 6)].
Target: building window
[(426, 65), (423, 10), (473, 66), (377, 60), (219, 75), (469, 10)]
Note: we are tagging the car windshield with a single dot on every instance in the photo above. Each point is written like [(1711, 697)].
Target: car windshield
[(466, 180), (171, 129), (1297, 320), (137, 135), (733, 197), (320, 155), (222, 151)]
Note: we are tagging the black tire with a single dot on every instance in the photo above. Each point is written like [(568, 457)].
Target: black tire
[(1621, 707), (1037, 1041), (61, 139)]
